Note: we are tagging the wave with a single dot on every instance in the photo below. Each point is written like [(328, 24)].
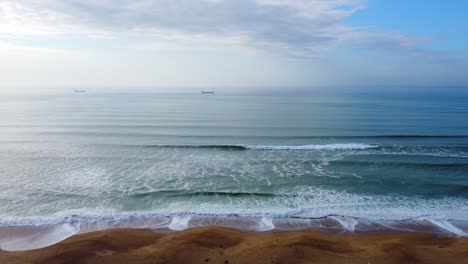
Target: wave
[(205, 193), (310, 208), (401, 163), (114, 217), (409, 136), (220, 147), (345, 146), (333, 146), (437, 155)]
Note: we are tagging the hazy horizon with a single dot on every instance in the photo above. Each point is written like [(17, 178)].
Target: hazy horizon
[(400, 91)]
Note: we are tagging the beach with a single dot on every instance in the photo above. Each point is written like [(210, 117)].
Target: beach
[(224, 245)]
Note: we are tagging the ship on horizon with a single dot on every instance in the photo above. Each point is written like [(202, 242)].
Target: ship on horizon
[(207, 92)]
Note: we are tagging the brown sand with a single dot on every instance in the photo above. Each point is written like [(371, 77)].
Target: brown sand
[(223, 245)]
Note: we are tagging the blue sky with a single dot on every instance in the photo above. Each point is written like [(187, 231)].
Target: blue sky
[(445, 20), (233, 45)]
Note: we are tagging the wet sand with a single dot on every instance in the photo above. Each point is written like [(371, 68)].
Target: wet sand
[(224, 245)]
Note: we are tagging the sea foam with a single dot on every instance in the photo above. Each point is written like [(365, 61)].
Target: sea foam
[(345, 146), (35, 237), (446, 225), (179, 222)]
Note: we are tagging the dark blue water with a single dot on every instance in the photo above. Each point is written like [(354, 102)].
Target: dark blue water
[(383, 156)]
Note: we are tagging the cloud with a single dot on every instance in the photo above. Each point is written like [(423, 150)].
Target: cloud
[(7, 48), (295, 28)]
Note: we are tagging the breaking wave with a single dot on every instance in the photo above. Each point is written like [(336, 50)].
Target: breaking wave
[(344, 146)]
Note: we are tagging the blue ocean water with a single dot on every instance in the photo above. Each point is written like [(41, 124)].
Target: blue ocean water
[(101, 155)]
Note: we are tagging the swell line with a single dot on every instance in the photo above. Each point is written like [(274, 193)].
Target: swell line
[(345, 146)]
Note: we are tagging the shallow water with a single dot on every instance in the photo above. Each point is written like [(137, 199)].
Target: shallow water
[(33, 237), (87, 157)]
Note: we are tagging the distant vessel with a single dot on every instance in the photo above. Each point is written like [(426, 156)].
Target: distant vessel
[(207, 92), (80, 91)]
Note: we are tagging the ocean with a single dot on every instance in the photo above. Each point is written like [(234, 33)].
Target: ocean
[(102, 156)]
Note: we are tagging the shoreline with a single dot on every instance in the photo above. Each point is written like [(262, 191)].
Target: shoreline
[(30, 237), (225, 245)]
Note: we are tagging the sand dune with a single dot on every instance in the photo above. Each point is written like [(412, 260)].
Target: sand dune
[(222, 245)]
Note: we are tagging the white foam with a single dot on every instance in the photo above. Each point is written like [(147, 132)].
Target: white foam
[(141, 223), (179, 223), (27, 239), (298, 201), (347, 223), (345, 146), (265, 224), (446, 225)]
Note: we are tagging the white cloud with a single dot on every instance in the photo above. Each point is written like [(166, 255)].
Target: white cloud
[(7, 49), (298, 28)]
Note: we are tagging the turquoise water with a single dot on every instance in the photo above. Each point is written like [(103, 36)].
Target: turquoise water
[(111, 155)]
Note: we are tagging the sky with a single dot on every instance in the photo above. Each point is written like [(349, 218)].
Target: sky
[(232, 45)]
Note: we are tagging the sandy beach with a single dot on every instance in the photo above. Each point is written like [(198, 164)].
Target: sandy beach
[(223, 245)]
